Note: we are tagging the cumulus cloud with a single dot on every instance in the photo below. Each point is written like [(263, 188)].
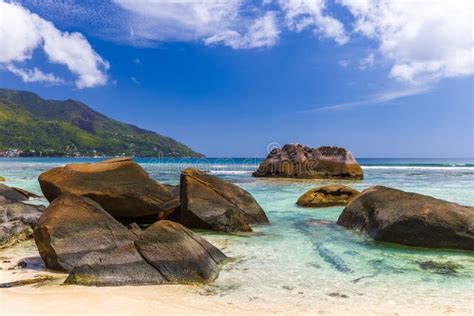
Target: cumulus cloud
[(34, 75), (424, 40), (22, 32), (420, 41), (303, 14)]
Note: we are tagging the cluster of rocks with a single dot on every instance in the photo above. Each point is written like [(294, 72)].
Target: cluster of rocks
[(77, 235), (298, 161), (391, 215), (17, 218), (123, 189), (93, 226), (385, 214), (83, 229)]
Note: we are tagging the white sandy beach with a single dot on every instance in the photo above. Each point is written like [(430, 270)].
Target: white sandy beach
[(52, 298)]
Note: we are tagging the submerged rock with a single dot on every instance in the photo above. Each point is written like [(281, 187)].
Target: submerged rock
[(329, 195), (212, 203), (165, 252), (73, 226), (120, 186), (411, 219), (298, 161), (446, 268)]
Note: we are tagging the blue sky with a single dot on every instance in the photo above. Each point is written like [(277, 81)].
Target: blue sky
[(229, 78)]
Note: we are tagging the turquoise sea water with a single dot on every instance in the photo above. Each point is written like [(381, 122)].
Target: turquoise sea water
[(297, 258)]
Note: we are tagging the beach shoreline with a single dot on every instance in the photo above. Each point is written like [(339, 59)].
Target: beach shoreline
[(53, 298)]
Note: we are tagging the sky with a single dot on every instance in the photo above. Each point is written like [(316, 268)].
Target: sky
[(234, 78)]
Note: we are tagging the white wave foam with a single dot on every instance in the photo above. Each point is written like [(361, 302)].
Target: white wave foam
[(230, 171), (431, 168)]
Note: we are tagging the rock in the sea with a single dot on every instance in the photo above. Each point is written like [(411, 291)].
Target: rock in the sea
[(17, 219), (165, 252), (411, 219), (212, 203), (11, 195), (298, 161), (328, 195), (72, 226), (180, 255), (120, 186), (2, 179)]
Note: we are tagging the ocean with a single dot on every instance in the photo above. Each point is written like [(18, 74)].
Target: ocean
[(302, 257)]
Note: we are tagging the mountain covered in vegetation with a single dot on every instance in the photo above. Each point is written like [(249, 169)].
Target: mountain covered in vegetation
[(35, 126)]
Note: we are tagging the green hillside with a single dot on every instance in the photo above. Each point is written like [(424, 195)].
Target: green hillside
[(58, 128)]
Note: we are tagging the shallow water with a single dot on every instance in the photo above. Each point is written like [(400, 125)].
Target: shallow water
[(303, 257)]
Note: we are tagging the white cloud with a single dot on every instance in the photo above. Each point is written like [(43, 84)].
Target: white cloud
[(344, 63), (179, 20), (421, 40), (424, 40), (21, 32), (367, 62), (211, 21), (302, 14), (262, 33), (376, 99), (34, 75)]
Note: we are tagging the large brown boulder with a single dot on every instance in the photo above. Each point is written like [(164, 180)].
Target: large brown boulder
[(212, 203), (166, 252), (120, 186), (116, 267), (180, 255), (412, 219), (328, 195), (72, 226), (298, 161)]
